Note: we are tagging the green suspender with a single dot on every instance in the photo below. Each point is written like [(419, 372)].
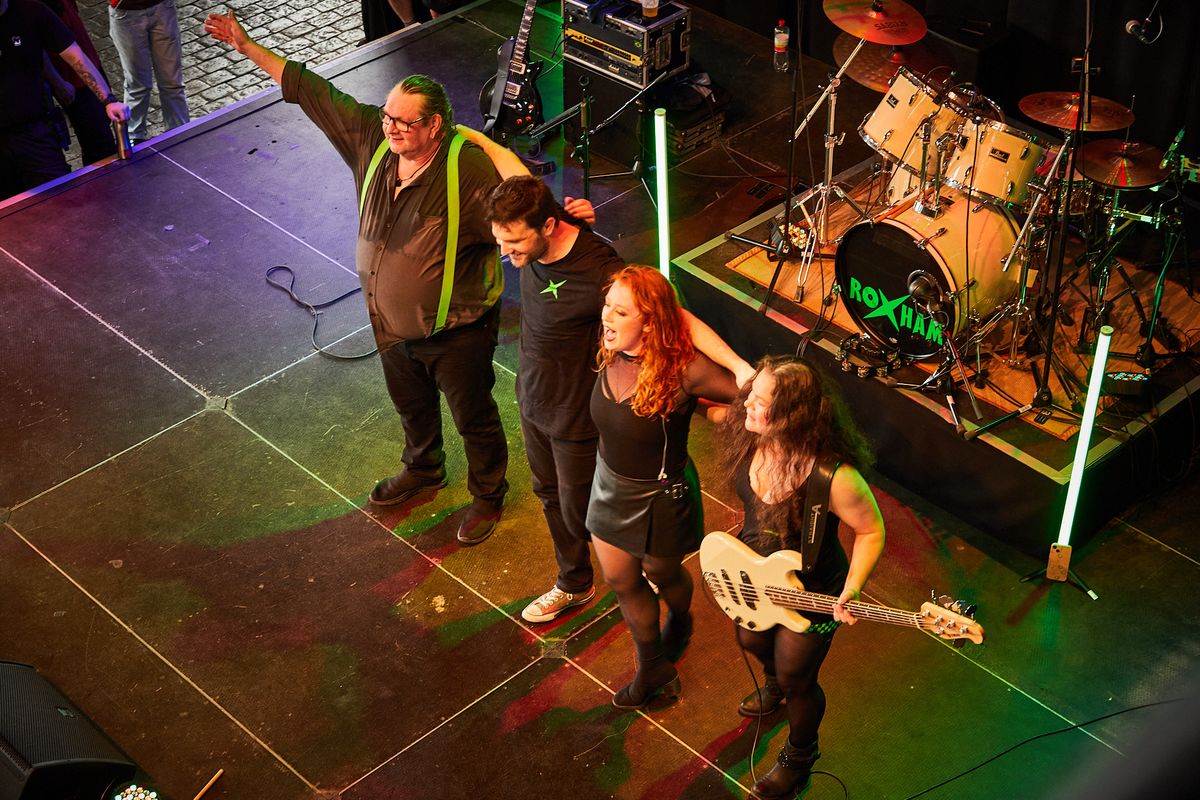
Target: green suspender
[(374, 165), (452, 203), (456, 144)]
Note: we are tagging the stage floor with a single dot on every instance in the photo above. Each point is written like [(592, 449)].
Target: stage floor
[(187, 553)]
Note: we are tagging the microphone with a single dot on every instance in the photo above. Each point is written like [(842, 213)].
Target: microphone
[(1137, 29), (1171, 150)]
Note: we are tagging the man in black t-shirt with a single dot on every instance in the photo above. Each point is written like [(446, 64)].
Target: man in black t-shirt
[(29, 149), (564, 269)]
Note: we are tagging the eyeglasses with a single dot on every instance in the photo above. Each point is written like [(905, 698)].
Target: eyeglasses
[(401, 125)]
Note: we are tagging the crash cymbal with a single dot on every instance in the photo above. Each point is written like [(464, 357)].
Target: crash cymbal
[(1120, 164), (880, 21), (875, 64), (1059, 109)]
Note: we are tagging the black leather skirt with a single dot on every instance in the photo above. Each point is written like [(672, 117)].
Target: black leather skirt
[(646, 517)]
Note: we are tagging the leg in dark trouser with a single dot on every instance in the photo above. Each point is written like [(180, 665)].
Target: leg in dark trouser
[(460, 360), (561, 472), (413, 390)]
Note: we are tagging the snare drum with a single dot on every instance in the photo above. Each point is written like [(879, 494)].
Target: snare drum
[(995, 162), (909, 280), (893, 129)]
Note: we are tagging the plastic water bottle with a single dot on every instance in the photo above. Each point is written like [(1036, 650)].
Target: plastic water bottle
[(781, 47)]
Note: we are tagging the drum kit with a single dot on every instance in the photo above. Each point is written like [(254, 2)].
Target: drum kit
[(970, 205)]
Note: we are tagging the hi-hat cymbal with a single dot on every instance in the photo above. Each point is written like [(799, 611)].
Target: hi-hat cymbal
[(879, 21), (1060, 110), (1120, 164), (875, 64)]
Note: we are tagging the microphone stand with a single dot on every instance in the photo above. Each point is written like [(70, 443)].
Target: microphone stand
[(638, 169)]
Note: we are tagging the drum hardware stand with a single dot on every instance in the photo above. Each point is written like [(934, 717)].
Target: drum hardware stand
[(1043, 397), (1020, 309), (941, 379), (785, 248)]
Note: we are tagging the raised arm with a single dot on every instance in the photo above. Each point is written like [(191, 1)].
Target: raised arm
[(226, 28), (507, 163), (87, 72), (706, 341), (852, 500)]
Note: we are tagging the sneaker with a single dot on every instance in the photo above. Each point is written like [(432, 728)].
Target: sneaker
[(555, 602), (405, 486)]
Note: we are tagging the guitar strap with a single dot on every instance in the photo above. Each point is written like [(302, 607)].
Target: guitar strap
[(816, 511)]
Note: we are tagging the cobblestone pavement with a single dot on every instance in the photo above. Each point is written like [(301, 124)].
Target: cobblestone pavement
[(214, 75)]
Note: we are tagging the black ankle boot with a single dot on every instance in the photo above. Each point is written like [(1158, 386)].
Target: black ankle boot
[(764, 700), (676, 634), (790, 773), (655, 676)]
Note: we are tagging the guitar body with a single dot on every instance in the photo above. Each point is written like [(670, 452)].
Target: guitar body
[(517, 108), (739, 578)]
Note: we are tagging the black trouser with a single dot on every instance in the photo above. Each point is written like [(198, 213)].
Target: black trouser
[(30, 155), (92, 127), (457, 361), (561, 472)]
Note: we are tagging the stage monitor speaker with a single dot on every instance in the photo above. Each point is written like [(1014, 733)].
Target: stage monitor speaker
[(49, 750), (628, 137)]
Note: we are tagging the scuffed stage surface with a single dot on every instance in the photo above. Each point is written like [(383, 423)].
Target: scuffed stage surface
[(185, 551)]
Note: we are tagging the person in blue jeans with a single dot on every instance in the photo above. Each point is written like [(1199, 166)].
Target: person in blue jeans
[(146, 35)]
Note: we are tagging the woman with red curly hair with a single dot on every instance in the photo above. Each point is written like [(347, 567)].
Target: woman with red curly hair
[(645, 513)]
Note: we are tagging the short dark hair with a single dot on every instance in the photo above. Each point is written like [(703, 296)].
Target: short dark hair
[(522, 197), (435, 100)]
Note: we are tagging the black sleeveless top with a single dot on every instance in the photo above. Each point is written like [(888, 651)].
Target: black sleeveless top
[(829, 574)]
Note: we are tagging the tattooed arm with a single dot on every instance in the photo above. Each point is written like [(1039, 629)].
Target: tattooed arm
[(91, 76)]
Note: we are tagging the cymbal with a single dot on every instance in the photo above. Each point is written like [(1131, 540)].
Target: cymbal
[(879, 21), (1060, 110), (875, 64), (1120, 164)]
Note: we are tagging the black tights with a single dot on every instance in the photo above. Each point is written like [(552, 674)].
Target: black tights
[(639, 606), (794, 659)]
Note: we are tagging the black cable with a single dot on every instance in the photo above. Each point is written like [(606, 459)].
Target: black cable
[(315, 310), (1024, 742)]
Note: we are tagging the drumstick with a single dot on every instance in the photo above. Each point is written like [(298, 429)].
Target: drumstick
[(208, 785)]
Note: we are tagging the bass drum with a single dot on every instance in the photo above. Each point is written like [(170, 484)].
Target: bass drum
[(909, 281)]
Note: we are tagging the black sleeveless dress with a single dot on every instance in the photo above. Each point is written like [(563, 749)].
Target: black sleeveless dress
[(828, 576)]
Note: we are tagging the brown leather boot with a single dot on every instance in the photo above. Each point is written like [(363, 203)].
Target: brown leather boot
[(790, 773), (764, 700)]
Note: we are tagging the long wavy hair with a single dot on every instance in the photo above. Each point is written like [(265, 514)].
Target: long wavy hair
[(808, 420), (666, 343)]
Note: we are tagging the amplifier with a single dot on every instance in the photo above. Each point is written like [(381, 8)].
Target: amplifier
[(624, 45)]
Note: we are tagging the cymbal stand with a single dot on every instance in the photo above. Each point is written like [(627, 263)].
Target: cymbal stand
[(1043, 397), (827, 186), (785, 248), (1019, 309)]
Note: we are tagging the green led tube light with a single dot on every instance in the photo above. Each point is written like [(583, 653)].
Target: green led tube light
[(664, 217), (1085, 434)]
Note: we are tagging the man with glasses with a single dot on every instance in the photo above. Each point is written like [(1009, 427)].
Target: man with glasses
[(434, 309)]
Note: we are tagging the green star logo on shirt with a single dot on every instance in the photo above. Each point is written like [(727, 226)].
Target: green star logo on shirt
[(888, 308), (552, 287)]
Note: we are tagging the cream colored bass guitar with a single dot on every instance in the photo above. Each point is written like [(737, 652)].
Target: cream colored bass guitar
[(760, 592)]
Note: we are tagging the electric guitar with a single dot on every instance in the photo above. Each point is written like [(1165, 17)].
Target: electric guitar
[(760, 592), (517, 107)]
